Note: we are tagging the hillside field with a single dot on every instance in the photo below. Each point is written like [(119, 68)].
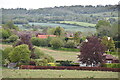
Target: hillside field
[(78, 23)]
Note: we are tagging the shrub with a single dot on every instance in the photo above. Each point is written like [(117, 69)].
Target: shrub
[(35, 41), (117, 44), (5, 33), (112, 65), (41, 62), (56, 43), (51, 64), (40, 54), (75, 64), (109, 43), (70, 44), (32, 62), (112, 53), (64, 63), (1, 51), (6, 51), (13, 38), (39, 42)]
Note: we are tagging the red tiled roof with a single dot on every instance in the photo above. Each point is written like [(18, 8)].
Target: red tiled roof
[(45, 36)]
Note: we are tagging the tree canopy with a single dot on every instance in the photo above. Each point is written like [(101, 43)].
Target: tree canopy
[(20, 53), (91, 51)]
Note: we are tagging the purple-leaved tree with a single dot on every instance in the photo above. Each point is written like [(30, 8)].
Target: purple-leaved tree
[(91, 51)]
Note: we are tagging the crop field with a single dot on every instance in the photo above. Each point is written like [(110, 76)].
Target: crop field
[(78, 23), (10, 73)]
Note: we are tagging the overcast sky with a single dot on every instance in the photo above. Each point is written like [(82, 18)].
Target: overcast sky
[(51, 3)]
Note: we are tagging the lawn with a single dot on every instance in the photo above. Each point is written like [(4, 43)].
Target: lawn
[(9, 73), (78, 23)]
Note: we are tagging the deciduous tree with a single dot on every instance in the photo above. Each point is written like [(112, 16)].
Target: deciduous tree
[(20, 53), (91, 51)]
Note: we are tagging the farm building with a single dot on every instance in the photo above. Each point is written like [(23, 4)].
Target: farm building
[(45, 36)]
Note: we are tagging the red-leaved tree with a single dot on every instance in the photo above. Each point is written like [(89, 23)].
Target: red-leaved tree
[(91, 51), (25, 38)]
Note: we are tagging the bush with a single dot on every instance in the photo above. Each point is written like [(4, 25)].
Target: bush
[(6, 51), (75, 64), (41, 62), (39, 42), (56, 43), (1, 51), (13, 38), (117, 44), (32, 62), (112, 53), (70, 44), (37, 54), (5, 33), (40, 54), (112, 65), (51, 64), (35, 41), (64, 63)]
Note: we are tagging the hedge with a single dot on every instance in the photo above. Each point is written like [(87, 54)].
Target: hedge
[(71, 68), (112, 65), (117, 44)]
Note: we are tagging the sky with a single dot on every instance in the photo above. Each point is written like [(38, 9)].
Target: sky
[(34, 4)]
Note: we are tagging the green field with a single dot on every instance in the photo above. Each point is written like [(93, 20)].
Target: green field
[(78, 23), (9, 73), (111, 17), (60, 55), (56, 54)]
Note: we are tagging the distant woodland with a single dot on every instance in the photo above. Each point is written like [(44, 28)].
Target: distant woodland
[(89, 14)]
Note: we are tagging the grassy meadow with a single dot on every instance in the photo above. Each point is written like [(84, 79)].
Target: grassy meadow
[(78, 23), (9, 73)]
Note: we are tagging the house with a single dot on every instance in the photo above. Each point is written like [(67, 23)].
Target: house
[(110, 59), (12, 65), (45, 36)]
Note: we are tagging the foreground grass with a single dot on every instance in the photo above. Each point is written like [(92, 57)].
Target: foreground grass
[(78, 23), (9, 73)]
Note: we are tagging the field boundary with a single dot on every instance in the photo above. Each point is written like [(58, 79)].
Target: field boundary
[(70, 68)]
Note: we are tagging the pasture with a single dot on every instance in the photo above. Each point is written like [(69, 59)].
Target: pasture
[(78, 23), (11, 73)]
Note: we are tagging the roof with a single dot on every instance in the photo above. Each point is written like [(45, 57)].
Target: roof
[(12, 64), (45, 36), (108, 56)]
